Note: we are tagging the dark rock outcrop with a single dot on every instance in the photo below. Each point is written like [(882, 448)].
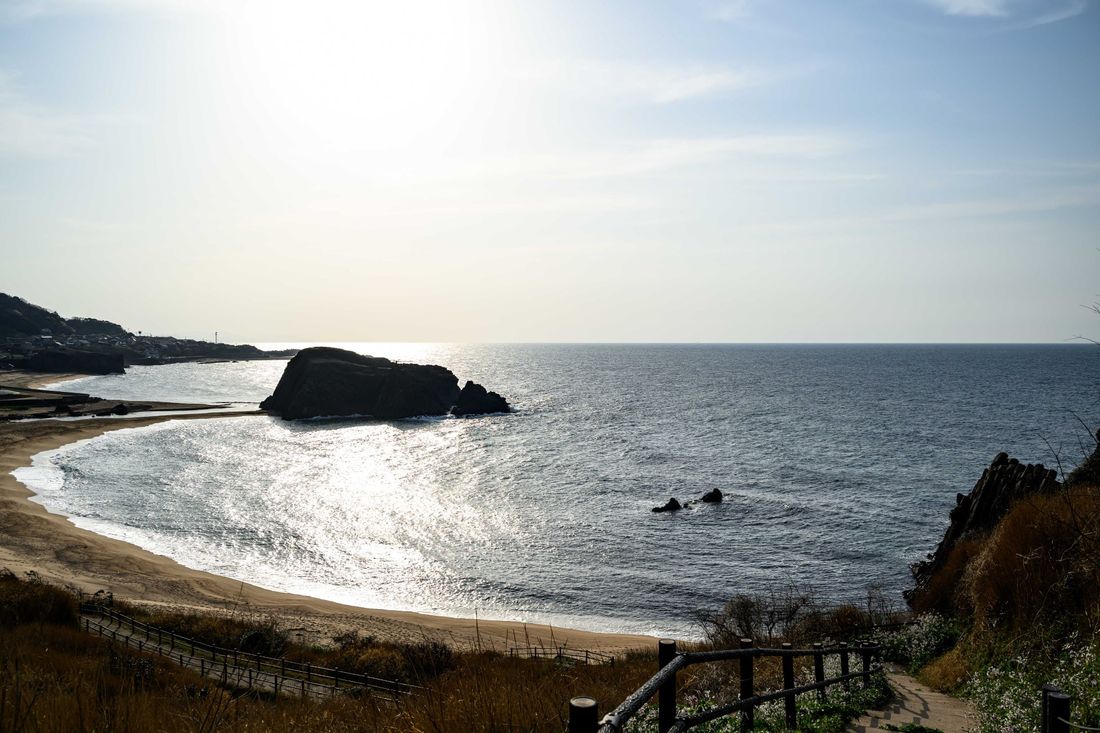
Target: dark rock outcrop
[(72, 360), (476, 400), (714, 496), (1005, 482), (671, 506), (328, 382)]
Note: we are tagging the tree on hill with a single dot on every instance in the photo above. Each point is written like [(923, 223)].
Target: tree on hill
[(20, 318)]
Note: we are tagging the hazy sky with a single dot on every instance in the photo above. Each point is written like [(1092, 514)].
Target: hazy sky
[(870, 170)]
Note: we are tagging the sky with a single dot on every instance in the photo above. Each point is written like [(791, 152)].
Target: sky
[(727, 171)]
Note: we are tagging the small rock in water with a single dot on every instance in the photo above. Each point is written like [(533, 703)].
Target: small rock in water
[(714, 496), (671, 506)]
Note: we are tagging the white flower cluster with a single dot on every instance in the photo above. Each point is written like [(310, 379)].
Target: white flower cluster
[(1008, 696)]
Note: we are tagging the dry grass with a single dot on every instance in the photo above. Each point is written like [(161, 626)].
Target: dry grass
[(56, 678), (948, 672), (942, 594), (59, 679), (1040, 568)]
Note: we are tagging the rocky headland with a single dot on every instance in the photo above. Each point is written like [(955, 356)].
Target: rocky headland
[(1005, 482), (329, 382)]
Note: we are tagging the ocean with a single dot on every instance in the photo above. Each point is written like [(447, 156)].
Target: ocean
[(839, 465)]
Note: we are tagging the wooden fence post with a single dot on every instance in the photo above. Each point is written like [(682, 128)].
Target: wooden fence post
[(748, 717), (819, 669), (666, 696), (788, 684), (844, 672), (866, 662), (583, 713), (1055, 710)]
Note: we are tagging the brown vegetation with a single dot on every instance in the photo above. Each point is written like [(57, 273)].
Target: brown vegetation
[(56, 678), (1040, 566)]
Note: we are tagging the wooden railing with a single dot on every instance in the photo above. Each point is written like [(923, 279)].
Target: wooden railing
[(561, 654), (1055, 712), (583, 711), (276, 673)]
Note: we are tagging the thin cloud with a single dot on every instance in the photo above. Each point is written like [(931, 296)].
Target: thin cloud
[(1053, 200), (649, 83), (1073, 9), (1022, 13), (30, 130), (656, 156), (973, 8)]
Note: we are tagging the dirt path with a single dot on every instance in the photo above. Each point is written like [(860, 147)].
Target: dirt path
[(919, 705)]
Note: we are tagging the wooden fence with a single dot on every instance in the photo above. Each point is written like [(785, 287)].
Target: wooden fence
[(1055, 712), (584, 715), (561, 654), (241, 669)]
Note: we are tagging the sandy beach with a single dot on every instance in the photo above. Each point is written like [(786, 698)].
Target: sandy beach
[(32, 539)]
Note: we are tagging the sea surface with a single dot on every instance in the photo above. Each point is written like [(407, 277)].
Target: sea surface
[(839, 465)]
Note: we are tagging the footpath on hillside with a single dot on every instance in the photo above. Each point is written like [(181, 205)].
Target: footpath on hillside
[(918, 705)]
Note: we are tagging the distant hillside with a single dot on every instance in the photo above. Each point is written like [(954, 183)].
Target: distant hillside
[(20, 318), (96, 327)]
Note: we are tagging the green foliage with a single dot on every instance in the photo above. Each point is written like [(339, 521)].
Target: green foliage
[(1007, 695), (917, 644), (831, 715)]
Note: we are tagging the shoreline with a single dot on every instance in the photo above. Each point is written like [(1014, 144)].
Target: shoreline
[(34, 539)]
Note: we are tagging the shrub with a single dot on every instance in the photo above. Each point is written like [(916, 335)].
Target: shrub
[(34, 601), (918, 643)]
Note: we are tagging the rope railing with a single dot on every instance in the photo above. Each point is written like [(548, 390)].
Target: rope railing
[(1055, 712), (583, 711), (287, 669)]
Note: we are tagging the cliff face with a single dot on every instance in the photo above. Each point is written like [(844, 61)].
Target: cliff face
[(1005, 482)]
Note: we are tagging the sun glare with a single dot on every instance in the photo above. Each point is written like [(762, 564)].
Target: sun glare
[(384, 78)]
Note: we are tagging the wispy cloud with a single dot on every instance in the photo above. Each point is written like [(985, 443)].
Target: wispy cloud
[(1070, 10), (640, 158), (648, 82), (659, 155), (1022, 13), (973, 8), (1038, 202), (31, 130)]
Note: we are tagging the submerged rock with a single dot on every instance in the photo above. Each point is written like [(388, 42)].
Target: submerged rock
[(714, 496), (327, 382), (672, 506), (476, 400)]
